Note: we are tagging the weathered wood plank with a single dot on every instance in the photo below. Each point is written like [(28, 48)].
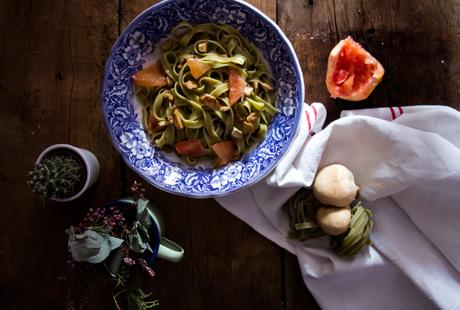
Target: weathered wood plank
[(418, 44), (267, 7), (297, 295), (233, 265), (92, 29), (402, 35), (51, 56), (98, 24)]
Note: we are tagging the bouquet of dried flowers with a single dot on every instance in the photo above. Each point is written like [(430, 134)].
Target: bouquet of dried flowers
[(116, 239)]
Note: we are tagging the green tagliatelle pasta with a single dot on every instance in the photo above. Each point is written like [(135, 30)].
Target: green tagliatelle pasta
[(358, 236), (302, 208), (212, 94)]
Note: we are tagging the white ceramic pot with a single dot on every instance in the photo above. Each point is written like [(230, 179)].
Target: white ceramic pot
[(90, 161)]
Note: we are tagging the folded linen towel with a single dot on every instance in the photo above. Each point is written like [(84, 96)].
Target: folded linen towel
[(406, 161)]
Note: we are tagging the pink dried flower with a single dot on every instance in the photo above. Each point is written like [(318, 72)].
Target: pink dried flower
[(129, 261), (146, 267)]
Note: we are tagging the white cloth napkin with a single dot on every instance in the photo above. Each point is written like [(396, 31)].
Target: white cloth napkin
[(407, 164)]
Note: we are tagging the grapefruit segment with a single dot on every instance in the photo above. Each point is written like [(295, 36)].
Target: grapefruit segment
[(197, 68), (224, 150), (352, 72), (152, 76), (193, 147), (236, 86)]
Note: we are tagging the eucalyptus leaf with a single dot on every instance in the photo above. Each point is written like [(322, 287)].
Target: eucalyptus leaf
[(141, 206), (139, 239), (136, 243), (89, 247), (148, 249), (113, 262), (143, 212), (114, 242)]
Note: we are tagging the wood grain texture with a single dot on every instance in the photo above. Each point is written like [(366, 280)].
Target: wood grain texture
[(51, 66), (267, 7), (51, 60)]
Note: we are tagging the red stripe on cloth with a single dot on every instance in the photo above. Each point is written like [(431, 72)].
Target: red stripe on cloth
[(308, 120), (314, 111), (393, 114), (400, 111)]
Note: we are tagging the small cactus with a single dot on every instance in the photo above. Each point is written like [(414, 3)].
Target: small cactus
[(55, 177)]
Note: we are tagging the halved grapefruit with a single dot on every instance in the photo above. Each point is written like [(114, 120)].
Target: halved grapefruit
[(352, 73)]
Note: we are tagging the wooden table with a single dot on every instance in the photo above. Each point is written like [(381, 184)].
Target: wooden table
[(52, 55)]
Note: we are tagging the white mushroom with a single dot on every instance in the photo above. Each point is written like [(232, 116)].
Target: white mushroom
[(236, 133), (248, 91), (335, 185), (203, 47), (333, 221)]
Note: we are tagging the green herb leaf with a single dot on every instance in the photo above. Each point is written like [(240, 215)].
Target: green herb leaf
[(139, 239), (91, 246)]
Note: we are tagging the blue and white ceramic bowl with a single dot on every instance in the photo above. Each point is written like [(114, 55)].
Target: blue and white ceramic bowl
[(132, 50)]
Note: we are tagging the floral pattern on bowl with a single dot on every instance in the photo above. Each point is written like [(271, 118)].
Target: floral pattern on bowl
[(128, 56)]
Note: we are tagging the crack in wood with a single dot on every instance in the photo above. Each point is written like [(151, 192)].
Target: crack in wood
[(72, 85), (335, 21), (362, 16), (119, 16)]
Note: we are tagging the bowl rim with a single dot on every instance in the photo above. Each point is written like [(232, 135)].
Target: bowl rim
[(271, 167)]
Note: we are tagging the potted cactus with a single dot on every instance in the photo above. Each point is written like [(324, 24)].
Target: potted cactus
[(63, 172)]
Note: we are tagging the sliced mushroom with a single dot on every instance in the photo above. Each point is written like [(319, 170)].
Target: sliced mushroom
[(168, 96), (177, 119), (248, 124), (252, 118), (190, 85), (203, 47), (248, 128), (225, 108), (266, 86), (210, 101), (236, 133), (153, 124), (169, 81), (248, 91)]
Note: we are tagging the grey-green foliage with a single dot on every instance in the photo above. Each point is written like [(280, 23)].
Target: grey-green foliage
[(55, 177), (91, 246), (139, 238)]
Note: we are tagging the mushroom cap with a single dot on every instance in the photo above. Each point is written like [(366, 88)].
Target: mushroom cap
[(335, 185), (333, 221)]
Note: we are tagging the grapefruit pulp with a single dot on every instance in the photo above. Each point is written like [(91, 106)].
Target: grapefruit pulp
[(352, 72)]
